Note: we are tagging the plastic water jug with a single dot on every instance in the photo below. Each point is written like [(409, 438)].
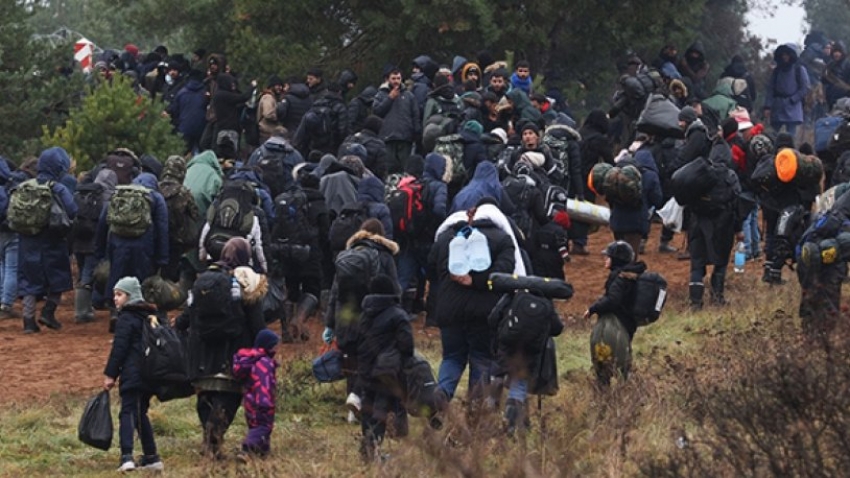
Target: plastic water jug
[(740, 257), (458, 259), (478, 251)]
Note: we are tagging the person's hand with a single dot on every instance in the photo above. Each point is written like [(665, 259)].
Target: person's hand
[(328, 335), (394, 93), (465, 279), (739, 236), (586, 314), (253, 83), (108, 382)]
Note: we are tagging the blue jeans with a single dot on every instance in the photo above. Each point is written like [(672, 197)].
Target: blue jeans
[(752, 237), (462, 344), (518, 389), (9, 269), (412, 259)]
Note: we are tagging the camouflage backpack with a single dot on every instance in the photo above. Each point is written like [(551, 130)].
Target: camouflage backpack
[(29, 207), (129, 211), (451, 147)]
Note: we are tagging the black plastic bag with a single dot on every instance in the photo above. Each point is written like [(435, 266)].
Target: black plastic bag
[(95, 427), (273, 302)]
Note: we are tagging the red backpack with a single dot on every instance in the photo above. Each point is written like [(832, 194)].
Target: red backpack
[(408, 207)]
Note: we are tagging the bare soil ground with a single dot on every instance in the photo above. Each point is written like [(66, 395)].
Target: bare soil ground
[(70, 361)]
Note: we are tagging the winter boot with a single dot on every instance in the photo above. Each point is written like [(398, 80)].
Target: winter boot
[(718, 281), (306, 307), (772, 275), (285, 319), (83, 312), (696, 290), (48, 318), (30, 327)]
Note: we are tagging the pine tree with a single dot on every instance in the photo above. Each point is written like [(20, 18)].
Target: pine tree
[(114, 116)]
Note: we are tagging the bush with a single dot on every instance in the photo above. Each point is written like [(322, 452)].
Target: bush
[(114, 116), (782, 411)]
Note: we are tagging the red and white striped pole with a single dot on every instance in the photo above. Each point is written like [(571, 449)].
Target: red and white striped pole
[(83, 53)]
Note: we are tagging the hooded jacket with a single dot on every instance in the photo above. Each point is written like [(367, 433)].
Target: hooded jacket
[(436, 176), (204, 179), (619, 293), (484, 183), (721, 100), (43, 263), (384, 326), (127, 352), (360, 107), (695, 69), (188, 110), (787, 87), (836, 78), (738, 69), (256, 370), (343, 317), (523, 109), (370, 192), (227, 102)]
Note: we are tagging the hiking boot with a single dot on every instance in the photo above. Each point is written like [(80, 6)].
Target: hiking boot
[(47, 318), (666, 248), (127, 464), (151, 463), (352, 417), (6, 312), (695, 292), (579, 250), (83, 312), (30, 327), (772, 276), (717, 285)]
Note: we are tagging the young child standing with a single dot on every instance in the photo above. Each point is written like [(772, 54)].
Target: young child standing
[(124, 362), (611, 338), (256, 369)]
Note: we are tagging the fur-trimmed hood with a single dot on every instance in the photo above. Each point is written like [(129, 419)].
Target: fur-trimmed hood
[(361, 235), (254, 285)]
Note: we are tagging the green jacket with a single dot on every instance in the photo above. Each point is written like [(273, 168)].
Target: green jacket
[(203, 178), (721, 99)]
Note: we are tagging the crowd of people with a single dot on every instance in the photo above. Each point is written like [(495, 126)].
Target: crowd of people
[(431, 181)]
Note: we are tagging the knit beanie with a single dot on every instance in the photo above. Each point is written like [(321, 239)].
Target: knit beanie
[(688, 115), (474, 127), (266, 340), (130, 286), (784, 140), (530, 125), (729, 126)]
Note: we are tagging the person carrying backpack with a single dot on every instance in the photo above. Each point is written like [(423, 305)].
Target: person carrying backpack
[(325, 125), (91, 200), (224, 314), (133, 231), (276, 158), (183, 216), (376, 150), (235, 213), (44, 266), (9, 242), (370, 193), (368, 253), (203, 178), (611, 338), (786, 89), (124, 361), (386, 342)]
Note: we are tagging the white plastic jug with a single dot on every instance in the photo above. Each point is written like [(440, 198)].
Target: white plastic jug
[(478, 251), (458, 259)]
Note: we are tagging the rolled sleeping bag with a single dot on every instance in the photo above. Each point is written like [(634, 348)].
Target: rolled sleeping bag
[(546, 286), (588, 212)]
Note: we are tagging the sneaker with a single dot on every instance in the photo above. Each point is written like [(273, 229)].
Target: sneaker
[(353, 402), (151, 463), (666, 248), (127, 464)]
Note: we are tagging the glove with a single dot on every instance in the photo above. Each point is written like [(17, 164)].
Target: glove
[(562, 219), (328, 335)]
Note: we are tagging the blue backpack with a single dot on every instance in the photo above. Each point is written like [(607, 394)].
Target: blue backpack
[(824, 129)]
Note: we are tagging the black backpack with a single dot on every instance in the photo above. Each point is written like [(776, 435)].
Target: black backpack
[(419, 386), (525, 323), (355, 268), (212, 306), (519, 189), (230, 215), (89, 200), (292, 218), (318, 121), (164, 359), (650, 297), (274, 175), (347, 223)]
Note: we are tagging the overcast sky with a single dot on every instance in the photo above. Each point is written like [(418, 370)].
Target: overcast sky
[(785, 26)]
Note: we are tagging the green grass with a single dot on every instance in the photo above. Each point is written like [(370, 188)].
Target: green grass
[(580, 432)]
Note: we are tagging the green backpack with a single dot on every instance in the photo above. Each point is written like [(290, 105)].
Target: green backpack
[(451, 147), (29, 207), (129, 211)]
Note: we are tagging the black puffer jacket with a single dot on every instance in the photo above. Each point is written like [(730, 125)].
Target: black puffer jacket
[(360, 107), (293, 106), (455, 303), (125, 358), (376, 149), (620, 295)]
